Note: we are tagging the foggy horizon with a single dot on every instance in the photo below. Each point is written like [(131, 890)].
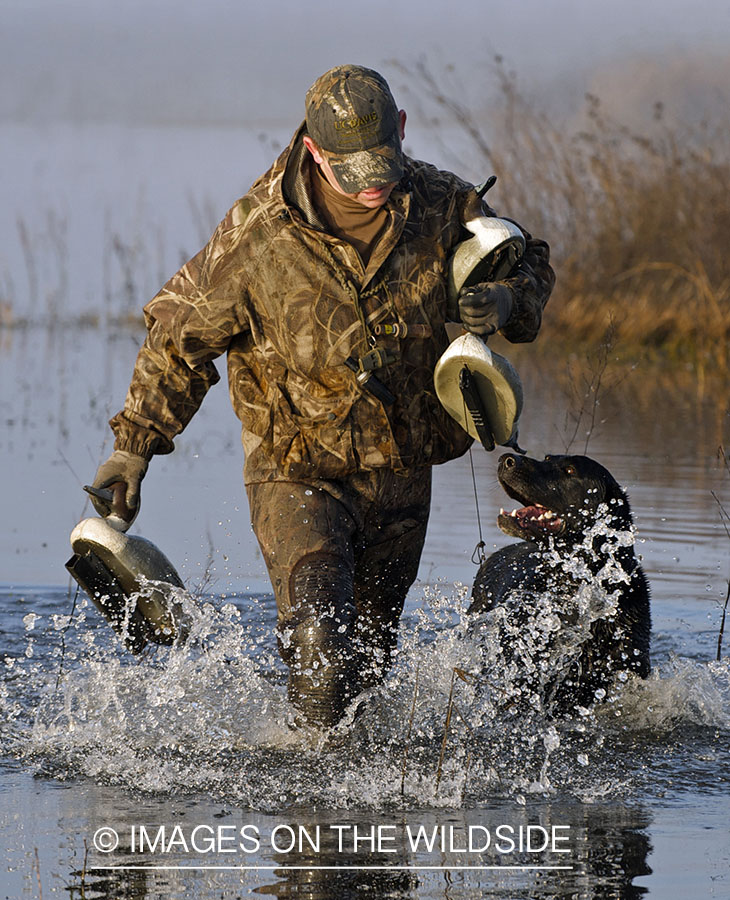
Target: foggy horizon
[(159, 63)]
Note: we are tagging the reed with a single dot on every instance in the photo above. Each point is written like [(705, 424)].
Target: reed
[(637, 218), (725, 519), (404, 768), (452, 708)]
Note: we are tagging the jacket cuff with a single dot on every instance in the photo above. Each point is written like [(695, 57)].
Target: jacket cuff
[(138, 439)]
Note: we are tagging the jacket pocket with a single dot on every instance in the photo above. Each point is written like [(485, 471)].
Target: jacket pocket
[(312, 435)]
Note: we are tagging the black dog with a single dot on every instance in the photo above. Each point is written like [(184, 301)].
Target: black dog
[(571, 598)]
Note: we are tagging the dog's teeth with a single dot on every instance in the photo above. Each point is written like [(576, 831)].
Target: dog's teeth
[(501, 511)]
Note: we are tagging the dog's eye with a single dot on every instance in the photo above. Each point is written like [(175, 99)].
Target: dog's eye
[(569, 470)]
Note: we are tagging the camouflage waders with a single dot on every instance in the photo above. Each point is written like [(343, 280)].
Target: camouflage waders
[(341, 557)]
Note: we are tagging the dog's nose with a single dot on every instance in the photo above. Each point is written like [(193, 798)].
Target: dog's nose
[(507, 461)]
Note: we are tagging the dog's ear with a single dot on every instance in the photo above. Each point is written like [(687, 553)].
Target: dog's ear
[(608, 489)]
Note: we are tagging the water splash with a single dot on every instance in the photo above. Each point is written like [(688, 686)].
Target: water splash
[(212, 716)]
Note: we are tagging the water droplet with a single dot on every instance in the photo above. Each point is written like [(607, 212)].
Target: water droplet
[(309, 492), (29, 621)]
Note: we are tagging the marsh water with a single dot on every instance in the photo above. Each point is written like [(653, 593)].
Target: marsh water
[(178, 773)]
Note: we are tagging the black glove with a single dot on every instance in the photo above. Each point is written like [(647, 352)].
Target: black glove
[(121, 468), (485, 308)]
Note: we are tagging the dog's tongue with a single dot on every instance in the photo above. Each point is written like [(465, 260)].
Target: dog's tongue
[(535, 518), (532, 512)]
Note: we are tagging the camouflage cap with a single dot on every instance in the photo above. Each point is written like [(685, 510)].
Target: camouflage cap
[(353, 119)]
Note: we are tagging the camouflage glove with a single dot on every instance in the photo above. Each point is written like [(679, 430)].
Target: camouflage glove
[(485, 308), (121, 468)]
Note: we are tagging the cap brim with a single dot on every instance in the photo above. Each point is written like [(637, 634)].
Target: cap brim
[(365, 169)]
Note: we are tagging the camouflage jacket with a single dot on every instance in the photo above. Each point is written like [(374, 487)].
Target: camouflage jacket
[(289, 304)]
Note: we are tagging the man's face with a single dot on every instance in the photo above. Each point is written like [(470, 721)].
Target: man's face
[(372, 197)]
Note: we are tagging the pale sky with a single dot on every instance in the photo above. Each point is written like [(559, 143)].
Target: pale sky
[(224, 60)]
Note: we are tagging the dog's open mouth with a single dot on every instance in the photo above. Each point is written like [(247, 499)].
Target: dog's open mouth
[(534, 519)]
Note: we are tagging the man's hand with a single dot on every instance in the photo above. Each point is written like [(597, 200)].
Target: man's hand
[(121, 468), (485, 308)]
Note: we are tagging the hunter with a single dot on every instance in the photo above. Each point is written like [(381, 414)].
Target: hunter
[(325, 286)]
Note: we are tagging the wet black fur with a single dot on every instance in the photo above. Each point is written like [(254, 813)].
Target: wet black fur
[(574, 487)]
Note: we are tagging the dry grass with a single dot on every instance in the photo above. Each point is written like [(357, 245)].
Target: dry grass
[(637, 221)]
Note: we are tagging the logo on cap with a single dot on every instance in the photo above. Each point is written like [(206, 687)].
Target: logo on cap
[(353, 119)]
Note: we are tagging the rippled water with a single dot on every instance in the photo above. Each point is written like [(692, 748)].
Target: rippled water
[(201, 736)]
